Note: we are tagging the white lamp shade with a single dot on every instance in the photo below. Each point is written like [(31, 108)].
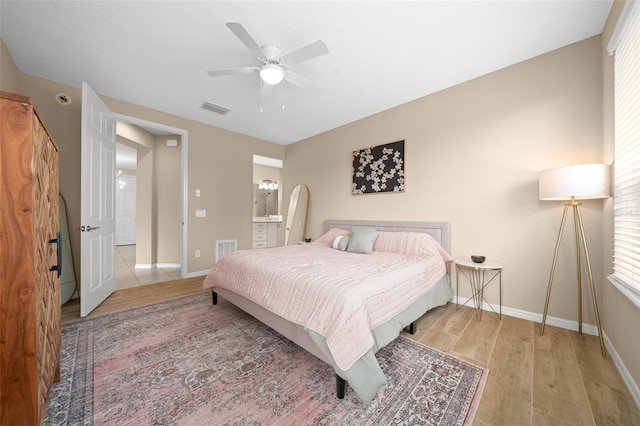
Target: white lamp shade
[(271, 74), (584, 182)]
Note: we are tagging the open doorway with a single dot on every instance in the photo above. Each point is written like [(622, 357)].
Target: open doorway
[(267, 197), (150, 203)]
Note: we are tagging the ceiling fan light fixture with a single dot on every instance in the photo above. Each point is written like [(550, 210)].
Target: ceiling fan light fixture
[(271, 74)]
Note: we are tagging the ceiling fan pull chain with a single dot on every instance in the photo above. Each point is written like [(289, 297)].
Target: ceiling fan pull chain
[(282, 94), (261, 89)]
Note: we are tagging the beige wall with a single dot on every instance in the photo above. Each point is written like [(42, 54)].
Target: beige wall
[(620, 317), (166, 200), (8, 71), (473, 153), (220, 165)]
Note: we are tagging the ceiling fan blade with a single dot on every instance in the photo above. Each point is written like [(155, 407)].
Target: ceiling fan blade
[(302, 82), (246, 39), (311, 51), (233, 71)]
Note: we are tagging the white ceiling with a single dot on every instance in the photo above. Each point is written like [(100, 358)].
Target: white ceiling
[(381, 53)]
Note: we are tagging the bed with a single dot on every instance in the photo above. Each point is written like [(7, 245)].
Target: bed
[(338, 302)]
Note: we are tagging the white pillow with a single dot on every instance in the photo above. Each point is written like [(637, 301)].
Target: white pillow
[(340, 242)]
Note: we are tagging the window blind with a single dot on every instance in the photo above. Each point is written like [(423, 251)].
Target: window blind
[(626, 262)]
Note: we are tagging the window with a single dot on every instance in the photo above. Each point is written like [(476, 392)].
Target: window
[(625, 43)]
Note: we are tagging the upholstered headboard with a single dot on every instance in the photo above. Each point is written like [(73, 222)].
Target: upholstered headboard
[(440, 231)]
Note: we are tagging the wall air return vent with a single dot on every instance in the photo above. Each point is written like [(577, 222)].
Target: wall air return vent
[(215, 108), (224, 247)]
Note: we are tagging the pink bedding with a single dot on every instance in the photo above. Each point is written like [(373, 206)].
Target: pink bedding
[(342, 296)]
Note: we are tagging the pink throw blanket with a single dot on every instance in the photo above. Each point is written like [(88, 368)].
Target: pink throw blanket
[(342, 296)]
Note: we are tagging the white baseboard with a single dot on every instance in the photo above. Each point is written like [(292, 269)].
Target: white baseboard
[(573, 326), (157, 265), (626, 376), (196, 274)]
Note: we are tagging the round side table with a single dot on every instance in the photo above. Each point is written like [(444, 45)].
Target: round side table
[(479, 276)]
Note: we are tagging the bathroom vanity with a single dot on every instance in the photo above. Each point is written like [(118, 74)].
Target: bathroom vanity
[(267, 232)]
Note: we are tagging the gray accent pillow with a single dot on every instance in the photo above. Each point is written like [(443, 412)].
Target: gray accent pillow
[(362, 239)]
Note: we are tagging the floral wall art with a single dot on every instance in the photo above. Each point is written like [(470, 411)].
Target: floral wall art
[(379, 169)]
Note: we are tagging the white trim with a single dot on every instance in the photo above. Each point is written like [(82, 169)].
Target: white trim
[(631, 292), (535, 317), (157, 265), (184, 166), (143, 266), (267, 161), (185, 205), (627, 11), (634, 390), (197, 274)]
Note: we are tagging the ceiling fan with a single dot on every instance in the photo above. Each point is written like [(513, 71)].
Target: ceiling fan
[(275, 64)]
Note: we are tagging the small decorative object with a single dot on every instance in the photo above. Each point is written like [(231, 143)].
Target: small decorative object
[(477, 259), (378, 169)]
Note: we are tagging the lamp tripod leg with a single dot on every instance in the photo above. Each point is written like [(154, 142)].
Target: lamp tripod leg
[(577, 225), (553, 269), (593, 290)]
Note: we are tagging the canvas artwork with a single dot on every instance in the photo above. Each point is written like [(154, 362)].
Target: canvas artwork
[(379, 169)]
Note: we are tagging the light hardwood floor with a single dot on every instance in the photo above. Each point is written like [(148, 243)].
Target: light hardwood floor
[(135, 296), (556, 379)]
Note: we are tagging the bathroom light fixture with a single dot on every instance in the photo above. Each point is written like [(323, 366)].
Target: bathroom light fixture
[(120, 180), (271, 73), (268, 184)]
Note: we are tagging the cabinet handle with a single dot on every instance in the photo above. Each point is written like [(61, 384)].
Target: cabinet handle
[(58, 242)]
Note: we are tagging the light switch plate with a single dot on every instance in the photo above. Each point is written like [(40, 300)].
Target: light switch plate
[(201, 213)]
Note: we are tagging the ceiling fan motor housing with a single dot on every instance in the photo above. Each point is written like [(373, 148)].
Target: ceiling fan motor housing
[(273, 54)]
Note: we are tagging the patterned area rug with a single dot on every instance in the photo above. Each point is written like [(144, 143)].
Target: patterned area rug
[(187, 362)]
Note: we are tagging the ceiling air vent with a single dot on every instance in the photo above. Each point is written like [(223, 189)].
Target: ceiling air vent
[(215, 108)]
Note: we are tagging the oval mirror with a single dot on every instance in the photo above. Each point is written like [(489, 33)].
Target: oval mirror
[(297, 215)]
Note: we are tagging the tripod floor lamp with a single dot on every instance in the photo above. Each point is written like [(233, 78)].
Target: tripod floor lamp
[(570, 184)]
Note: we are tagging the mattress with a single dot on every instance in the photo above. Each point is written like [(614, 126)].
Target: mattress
[(341, 307)]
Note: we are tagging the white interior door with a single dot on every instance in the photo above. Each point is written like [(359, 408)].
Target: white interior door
[(126, 210), (97, 242)]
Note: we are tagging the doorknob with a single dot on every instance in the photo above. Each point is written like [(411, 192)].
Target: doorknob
[(91, 228)]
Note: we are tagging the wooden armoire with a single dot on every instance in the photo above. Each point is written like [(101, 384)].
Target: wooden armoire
[(30, 324)]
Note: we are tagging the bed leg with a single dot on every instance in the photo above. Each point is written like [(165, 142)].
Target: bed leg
[(340, 387), (214, 296), (412, 328)]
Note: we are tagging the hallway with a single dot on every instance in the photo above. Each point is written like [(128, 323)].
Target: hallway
[(127, 276)]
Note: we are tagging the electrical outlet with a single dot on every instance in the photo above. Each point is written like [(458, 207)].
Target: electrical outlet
[(197, 253), (197, 192), (201, 213)]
